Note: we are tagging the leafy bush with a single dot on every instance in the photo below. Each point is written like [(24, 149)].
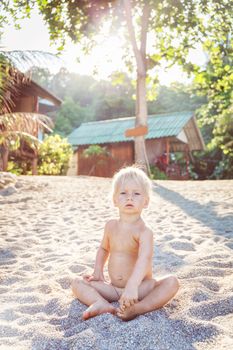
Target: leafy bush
[(95, 150), (15, 168), (157, 174), (54, 155)]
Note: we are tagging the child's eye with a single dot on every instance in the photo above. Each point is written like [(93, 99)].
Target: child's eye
[(137, 193), (122, 192)]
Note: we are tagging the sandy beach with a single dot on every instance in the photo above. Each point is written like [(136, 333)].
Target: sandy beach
[(50, 230)]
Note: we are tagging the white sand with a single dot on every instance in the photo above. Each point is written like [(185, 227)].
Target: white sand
[(50, 230)]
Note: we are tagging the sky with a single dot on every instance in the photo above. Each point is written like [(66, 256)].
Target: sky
[(105, 58)]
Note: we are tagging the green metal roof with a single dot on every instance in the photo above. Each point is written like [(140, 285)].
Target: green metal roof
[(112, 130)]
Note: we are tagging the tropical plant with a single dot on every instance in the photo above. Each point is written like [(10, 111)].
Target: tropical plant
[(98, 156), (54, 155), (19, 128), (176, 27), (95, 150), (157, 174), (215, 81), (53, 158)]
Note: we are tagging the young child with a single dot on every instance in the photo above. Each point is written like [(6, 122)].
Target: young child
[(128, 243)]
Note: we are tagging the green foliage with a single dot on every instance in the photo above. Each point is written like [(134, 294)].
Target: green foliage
[(15, 168), (69, 117), (95, 150), (157, 174), (104, 100), (54, 155), (215, 81), (86, 99), (53, 158), (176, 98), (174, 26)]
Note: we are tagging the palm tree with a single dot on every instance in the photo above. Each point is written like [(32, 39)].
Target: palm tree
[(20, 128)]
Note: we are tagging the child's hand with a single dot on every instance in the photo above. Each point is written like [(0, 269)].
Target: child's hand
[(128, 297), (94, 277)]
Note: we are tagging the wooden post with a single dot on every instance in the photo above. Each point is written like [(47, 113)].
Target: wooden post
[(5, 155), (34, 166), (187, 159), (167, 150)]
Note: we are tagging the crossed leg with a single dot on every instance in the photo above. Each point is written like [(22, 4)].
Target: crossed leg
[(98, 295), (152, 296)]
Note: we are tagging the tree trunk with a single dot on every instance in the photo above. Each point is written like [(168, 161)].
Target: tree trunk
[(140, 57), (141, 119)]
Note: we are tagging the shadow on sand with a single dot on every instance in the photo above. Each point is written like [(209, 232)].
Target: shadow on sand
[(205, 213)]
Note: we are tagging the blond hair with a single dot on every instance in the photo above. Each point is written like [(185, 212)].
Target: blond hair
[(131, 173)]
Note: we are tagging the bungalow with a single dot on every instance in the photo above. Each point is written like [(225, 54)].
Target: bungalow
[(25, 96), (167, 133)]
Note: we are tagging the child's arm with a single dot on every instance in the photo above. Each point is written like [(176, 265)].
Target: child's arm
[(130, 294), (101, 257)]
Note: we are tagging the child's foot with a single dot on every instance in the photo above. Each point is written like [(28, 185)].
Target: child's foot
[(127, 314), (98, 308)]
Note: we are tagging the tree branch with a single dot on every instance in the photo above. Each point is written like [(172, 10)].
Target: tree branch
[(144, 29), (137, 53)]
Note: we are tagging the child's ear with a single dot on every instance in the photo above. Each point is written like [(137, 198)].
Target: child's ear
[(147, 200), (114, 201)]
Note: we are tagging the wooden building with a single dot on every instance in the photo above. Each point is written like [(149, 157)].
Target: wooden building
[(167, 133), (25, 96)]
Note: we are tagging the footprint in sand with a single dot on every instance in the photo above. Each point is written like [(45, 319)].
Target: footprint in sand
[(30, 309), (199, 296), (216, 257), (10, 240), (8, 262), (210, 310), (4, 290), (199, 241), (168, 237), (77, 268), (45, 289), (8, 331), (10, 281), (24, 290), (219, 264), (181, 245), (9, 315), (25, 256), (64, 282), (6, 254), (27, 268), (185, 237), (198, 271), (53, 307)]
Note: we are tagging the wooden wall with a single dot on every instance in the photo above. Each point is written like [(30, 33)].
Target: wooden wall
[(26, 104), (119, 155), (155, 148)]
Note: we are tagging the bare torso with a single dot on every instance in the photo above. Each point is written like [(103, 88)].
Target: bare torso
[(123, 247)]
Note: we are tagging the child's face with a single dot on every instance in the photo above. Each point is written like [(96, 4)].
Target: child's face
[(130, 197)]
